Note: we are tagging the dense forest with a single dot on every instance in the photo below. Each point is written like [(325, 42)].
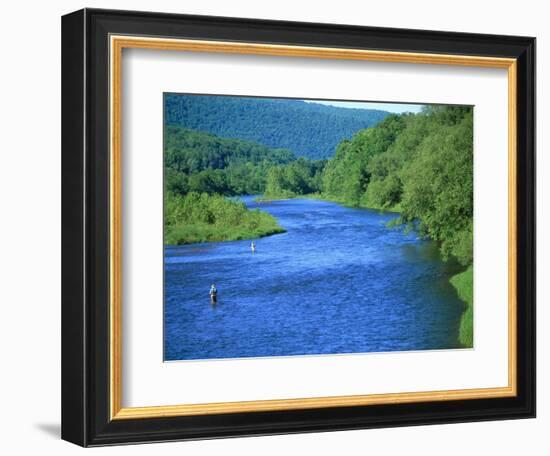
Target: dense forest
[(419, 165), (201, 162), (300, 177), (310, 130)]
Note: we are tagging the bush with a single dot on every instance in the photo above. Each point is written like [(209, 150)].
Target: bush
[(199, 217)]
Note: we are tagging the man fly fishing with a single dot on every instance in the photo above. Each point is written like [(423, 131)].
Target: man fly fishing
[(213, 294)]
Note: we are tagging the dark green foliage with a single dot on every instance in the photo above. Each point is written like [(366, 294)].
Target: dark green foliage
[(200, 169), (438, 188), (310, 130), (300, 177), (201, 162), (189, 151), (348, 174), (199, 217)]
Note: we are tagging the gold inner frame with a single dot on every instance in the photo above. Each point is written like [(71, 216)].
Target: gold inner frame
[(117, 44)]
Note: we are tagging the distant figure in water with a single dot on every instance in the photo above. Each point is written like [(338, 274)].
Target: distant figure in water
[(253, 247), (213, 294)]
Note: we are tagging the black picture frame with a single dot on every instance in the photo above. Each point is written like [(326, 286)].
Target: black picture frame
[(85, 225)]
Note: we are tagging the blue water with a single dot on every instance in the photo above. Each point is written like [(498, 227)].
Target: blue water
[(338, 281)]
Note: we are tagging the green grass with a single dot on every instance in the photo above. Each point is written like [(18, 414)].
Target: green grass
[(324, 197), (201, 232), (268, 199), (464, 284), (286, 196), (198, 217)]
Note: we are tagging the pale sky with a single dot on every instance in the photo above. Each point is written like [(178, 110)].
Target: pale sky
[(397, 108)]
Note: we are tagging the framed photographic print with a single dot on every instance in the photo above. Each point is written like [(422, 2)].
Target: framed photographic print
[(278, 227)]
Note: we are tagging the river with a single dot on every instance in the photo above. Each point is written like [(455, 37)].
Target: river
[(338, 281)]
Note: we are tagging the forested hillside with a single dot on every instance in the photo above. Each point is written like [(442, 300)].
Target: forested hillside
[(308, 129), (202, 162)]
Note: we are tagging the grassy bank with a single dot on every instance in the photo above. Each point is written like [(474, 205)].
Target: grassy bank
[(266, 198), (324, 197), (358, 205), (464, 284), (198, 217)]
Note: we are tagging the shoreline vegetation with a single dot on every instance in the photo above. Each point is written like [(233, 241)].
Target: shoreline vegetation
[(199, 217), (319, 196), (419, 166), (464, 285)]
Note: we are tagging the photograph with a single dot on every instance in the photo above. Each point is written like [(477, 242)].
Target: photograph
[(297, 227), (285, 224)]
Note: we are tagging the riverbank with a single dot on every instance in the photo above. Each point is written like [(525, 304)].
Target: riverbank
[(464, 285), (196, 218), (462, 282), (323, 197), (198, 233)]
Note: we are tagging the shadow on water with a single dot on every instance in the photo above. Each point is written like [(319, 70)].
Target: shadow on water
[(428, 251)]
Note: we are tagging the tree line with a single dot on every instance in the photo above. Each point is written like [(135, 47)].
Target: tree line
[(201, 162)]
